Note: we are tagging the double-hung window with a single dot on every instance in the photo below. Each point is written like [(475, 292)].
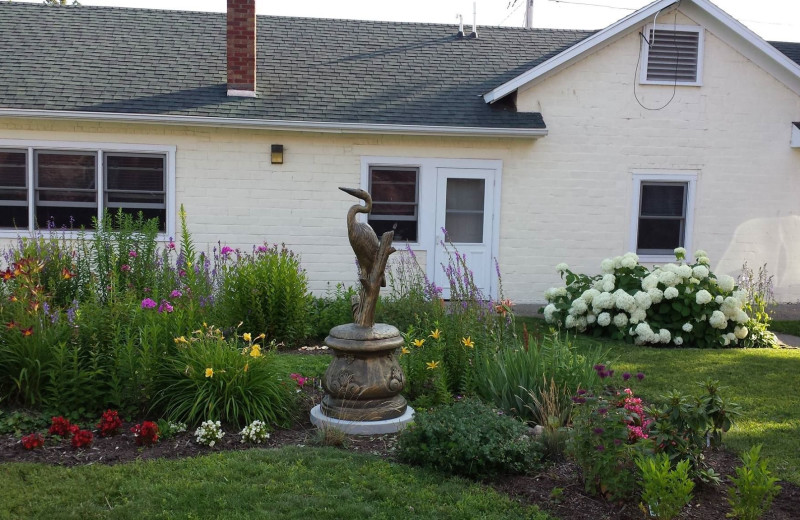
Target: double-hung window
[(662, 213), (395, 201), (68, 186)]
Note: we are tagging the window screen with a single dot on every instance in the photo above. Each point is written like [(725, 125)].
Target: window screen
[(662, 217), (395, 197), (66, 189), (13, 189), (136, 183)]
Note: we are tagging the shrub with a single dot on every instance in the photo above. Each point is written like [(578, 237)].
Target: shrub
[(209, 433), (335, 308), (146, 433), (265, 291), (673, 304), (109, 424), (665, 491), (517, 379), (469, 438), (218, 379), (754, 488)]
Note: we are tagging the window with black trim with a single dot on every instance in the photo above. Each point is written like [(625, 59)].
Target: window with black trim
[(662, 221), (65, 187), (395, 201)]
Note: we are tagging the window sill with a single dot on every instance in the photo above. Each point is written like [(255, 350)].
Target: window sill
[(656, 259), (59, 234)]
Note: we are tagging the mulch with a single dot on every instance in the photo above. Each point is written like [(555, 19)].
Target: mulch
[(558, 489)]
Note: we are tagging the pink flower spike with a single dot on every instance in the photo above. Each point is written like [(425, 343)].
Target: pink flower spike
[(148, 303), (165, 307), (175, 294), (125, 268), (226, 250), (132, 254)]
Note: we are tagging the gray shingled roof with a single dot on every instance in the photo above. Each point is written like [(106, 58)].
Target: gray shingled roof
[(790, 49), (102, 59)]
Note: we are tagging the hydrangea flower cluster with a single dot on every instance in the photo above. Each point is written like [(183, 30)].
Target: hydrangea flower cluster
[(672, 304), (208, 433), (255, 432)]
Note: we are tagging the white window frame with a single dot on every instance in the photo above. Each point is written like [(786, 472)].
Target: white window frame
[(416, 197), (690, 179), (645, 53), (99, 149)]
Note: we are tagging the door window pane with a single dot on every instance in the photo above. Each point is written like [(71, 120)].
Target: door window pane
[(13, 189), (395, 201), (662, 217), (464, 208)]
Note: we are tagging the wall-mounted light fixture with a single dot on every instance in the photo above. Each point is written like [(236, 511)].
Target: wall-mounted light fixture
[(277, 154)]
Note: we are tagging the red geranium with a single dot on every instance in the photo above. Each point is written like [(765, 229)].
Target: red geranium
[(32, 441), (60, 427), (82, 438), (146, 434), (109, 424)]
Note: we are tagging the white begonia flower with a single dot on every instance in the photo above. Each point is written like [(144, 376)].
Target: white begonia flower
[(643, 299), (703, 297), (678, 341), (628, 262), (664, 336), (668, 278), (680, 253), (624, 300), (703, 260), (740, 332), (718, 320), (656, 295), (741, 317), (570, 322), (621, 320), (670, 293), (608, 282), (604, 319), (548, 313), (589, 295), (687, 327), (684, 271), (650, 282), (602, 301), (578, 307), (560, 268), (719, 299), (638, 315), (591, 318), (607, 266), (700, 253), (700, 272), (726, 283)]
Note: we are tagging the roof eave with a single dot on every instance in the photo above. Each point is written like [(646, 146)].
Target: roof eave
[(289, 126)]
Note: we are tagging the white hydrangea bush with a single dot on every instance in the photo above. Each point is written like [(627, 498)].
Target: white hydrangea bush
[(256, 432), (676, 304), (209, 433)]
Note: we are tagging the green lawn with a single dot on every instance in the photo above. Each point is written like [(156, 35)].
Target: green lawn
[(786, 326), (765, 382), (302, 483)]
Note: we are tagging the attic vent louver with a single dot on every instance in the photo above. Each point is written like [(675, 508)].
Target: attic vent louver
[(673, 55)]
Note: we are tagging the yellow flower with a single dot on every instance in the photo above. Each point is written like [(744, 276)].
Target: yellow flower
[(182, 339), (419, 342), (246, 367), (261, 336), (246, 336), (255, 351), (209, 372), (435, 334), (404, 350), (468, 342), (433, 365)]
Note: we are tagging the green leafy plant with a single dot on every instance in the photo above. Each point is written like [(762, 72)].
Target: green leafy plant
[(665, 490), (754, 488), (760, 298), (215, 379), (469, 438)]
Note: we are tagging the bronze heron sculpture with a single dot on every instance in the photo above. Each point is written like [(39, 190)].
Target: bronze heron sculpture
[(362, 237)]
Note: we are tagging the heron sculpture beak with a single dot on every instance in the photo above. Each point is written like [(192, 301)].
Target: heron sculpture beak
[(351, 191)]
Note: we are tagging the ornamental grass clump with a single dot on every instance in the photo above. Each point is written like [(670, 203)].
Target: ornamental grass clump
[(234, 380), (672, 305)]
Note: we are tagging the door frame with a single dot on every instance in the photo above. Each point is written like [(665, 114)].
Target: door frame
[(428, 174)]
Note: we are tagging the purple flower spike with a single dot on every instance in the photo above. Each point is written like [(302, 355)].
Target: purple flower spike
[(640, 376), (600, 368), (598, 431), (148, 303), (626, 376)]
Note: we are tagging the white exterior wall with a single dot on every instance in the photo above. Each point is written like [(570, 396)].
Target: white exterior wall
[(565, 198), (576, 184)]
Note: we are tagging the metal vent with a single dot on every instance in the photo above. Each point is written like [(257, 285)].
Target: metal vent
[(673, 56)]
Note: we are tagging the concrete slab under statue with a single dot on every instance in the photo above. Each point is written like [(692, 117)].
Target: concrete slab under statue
[(364, 380)]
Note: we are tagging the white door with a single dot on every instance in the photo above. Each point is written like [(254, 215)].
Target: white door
[(465, 209)]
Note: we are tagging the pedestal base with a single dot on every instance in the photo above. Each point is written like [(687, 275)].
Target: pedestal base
[(320, 420)]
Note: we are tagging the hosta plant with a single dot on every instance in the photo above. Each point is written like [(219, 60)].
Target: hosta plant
[(674, 304)]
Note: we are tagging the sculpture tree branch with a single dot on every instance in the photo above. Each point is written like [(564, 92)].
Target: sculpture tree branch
[(364, 314)]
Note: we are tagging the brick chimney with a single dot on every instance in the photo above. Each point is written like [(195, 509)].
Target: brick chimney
[(242, 48)]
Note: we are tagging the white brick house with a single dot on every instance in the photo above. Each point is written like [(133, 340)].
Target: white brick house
[(531, 147)]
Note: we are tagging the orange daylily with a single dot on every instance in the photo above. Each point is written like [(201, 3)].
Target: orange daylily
[(27, 332)]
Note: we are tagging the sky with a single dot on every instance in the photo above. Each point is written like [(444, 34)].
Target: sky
[(770, 19)]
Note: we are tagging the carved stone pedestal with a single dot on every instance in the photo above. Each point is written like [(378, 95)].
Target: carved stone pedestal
[(364, 380)]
